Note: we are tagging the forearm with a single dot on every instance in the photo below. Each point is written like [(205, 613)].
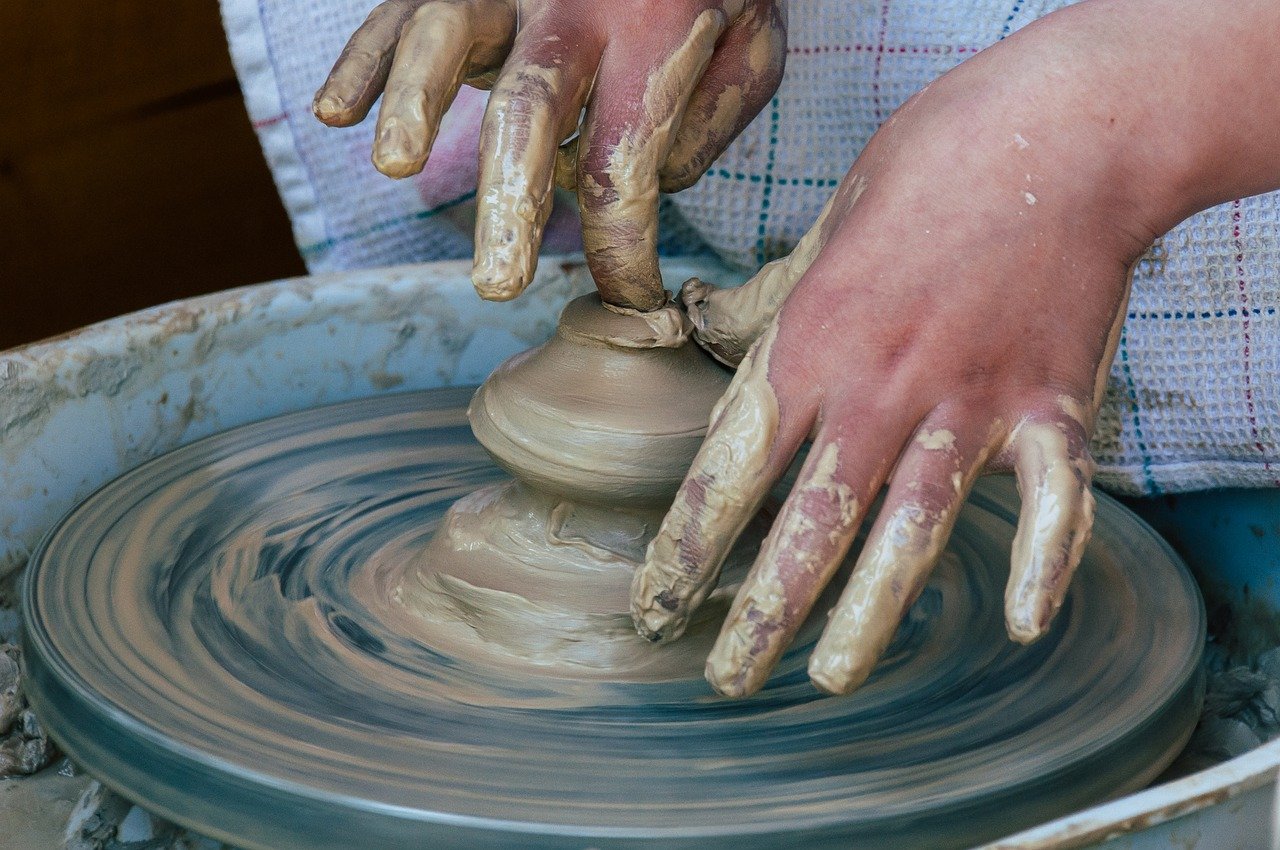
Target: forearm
[(1191, 87), (1141, 112)]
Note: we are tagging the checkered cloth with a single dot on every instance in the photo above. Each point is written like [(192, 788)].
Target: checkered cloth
[(1194, 395)]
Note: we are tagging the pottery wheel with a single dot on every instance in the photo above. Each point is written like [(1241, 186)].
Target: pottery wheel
[(205, 634)]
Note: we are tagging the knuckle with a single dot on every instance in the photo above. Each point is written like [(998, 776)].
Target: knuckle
[(595, 162), (680, 177), (424, 9)]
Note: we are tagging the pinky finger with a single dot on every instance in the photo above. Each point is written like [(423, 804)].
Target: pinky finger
[(360, 73), (1054, 470)]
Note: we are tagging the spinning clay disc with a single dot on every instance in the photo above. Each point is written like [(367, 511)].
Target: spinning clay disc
[(218, 635)]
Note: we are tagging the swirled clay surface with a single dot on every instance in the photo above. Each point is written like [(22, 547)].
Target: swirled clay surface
[(219, 634)]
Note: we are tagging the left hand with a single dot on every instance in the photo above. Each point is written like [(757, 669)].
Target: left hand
[(658, 90)]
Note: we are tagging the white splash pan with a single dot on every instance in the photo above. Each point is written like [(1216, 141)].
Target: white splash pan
[(78, 410)]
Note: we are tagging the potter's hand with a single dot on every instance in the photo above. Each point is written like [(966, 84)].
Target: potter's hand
[(954, 311), (666, 86)]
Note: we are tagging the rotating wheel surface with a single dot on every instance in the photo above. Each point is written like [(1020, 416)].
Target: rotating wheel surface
[(211, 635)]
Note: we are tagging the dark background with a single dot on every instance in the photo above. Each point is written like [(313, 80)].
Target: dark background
[(129, 173)]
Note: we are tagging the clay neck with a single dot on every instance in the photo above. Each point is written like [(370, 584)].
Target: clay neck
[(610, 411), (590, 321)]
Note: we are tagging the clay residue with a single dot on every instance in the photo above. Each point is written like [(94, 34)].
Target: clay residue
[(719, 109), (727, 321), (936, 440), (530, 110), (25, 746), (668, 325), (526, 579), (619, 200), (34, 811), (606, 411), (1054, 473), (806, 546), (866, 617), (724, 488), (902, 550), (442, 45)]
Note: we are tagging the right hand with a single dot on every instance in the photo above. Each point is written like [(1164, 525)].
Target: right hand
[(666, 86), (955, 310)]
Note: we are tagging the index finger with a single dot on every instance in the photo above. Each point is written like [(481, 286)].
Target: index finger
[(747, 448)]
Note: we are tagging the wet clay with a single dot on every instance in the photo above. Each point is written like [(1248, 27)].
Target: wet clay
[(598, 426), (610, 410), (728, 321), (522, 578)]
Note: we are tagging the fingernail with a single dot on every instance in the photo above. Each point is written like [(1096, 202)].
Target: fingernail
[(505, 261), (495, 280), (658, 612), (327, 107), (733, 667), (729, 675), (658, 625), (1027, 620), (394, 154), (826, 681), (834, 675)]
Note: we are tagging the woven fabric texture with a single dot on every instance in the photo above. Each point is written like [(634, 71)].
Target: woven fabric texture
[(1193, 400)]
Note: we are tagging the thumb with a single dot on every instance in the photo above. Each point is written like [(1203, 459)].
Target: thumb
[(727, 321)]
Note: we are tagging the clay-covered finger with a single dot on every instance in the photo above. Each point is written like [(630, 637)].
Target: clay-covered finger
[(640, 96), (749, 445), (534, 106), (806, 546), (930, 483), (741, 77), (440, 46), (360, 73), (1054, 471)]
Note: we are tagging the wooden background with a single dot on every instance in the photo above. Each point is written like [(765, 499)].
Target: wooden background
[(129, 174)]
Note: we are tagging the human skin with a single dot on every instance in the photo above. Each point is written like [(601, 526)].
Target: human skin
[(955, 311), (665, 87)]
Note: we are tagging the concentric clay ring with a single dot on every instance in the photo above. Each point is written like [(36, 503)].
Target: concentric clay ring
[(211, 634)]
